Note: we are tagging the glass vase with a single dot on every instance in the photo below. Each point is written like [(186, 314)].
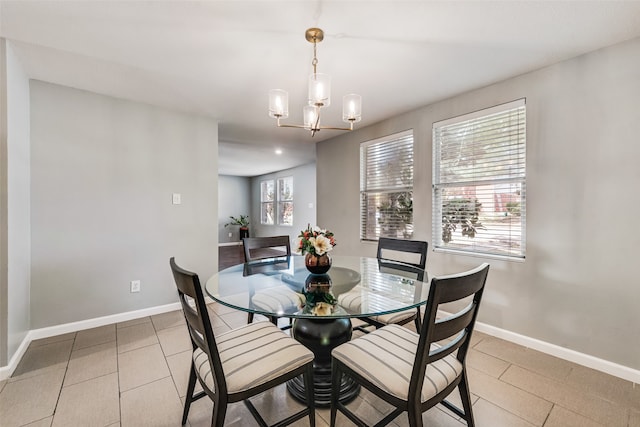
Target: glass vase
[(317, 264)]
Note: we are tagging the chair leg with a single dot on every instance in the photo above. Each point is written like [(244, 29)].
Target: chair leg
[(415, 416), (308, 385), (418, 321), (463, 387), (188, 398), (219, 413), (336, 375), (250, 318)]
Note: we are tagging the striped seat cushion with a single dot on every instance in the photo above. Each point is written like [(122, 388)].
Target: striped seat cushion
[(252, 355), (280, 299), (391, 318), (385, 358), (352, 302)]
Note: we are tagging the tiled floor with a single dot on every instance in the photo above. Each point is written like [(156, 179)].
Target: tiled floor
[(135, 374)]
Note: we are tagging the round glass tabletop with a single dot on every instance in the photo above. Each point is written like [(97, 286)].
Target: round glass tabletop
[(353, 287)]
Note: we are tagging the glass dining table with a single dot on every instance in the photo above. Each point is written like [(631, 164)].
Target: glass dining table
[(321, 305)]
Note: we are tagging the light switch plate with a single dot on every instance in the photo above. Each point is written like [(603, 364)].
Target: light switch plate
[(176, 198)]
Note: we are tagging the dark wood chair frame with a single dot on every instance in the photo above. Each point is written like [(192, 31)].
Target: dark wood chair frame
[(202, 337), (251, 243), (459, 325), (418, 269)]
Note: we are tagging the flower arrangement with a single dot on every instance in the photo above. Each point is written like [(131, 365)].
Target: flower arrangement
[(315, 241)]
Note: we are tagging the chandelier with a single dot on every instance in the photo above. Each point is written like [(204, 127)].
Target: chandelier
[(319, 97)]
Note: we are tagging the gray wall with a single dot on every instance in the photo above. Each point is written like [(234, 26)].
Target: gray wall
[(14, 204), (18, 184), (304, 202), (578, 287), (234, 199), (103, 171)]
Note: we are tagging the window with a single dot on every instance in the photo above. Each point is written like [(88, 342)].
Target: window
[(267, 194), (285, 201), (479, 181), (386, 187)]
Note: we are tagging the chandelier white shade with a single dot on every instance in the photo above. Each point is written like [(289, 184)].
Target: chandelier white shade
[(319, 96)]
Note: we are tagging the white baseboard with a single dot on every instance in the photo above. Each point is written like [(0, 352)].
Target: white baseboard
[(35, 334), (598, 364), (589, 361), (230, 244)]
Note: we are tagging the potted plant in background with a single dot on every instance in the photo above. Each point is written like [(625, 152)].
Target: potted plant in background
[(243, 222)]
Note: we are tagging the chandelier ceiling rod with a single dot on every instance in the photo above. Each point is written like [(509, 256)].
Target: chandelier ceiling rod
[(319, 97)]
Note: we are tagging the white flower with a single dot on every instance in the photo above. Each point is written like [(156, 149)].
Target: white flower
[(317, 229), (321, 244), (322, 309)]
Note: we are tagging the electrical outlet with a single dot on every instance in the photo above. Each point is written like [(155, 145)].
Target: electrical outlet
[(135, 286), (230, 235)]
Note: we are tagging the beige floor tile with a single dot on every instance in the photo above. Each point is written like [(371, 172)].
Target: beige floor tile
[(170, 319), (216, 320), (532, 360), (486, 414), (45, 422), (155, 404), (234, 319), (518, 402), (609, 387), (433, 417), (220, 309), (50, 340), (237, 414), (486, 363), (92, 362), (174, 340), (114, 425), (141, 366), (634, 418), (136, 336), (477, 337), (275, 405), (30, 399), (369, 407), (2, 384), (561, 417), (133, 322), (576, 399), (43, 357), (91, 403), (95, 336), (180, 367)]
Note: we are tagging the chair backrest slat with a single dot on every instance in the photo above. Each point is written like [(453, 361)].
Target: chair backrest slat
[(198, 322), (265, 247), (452, 325), (408, 246)]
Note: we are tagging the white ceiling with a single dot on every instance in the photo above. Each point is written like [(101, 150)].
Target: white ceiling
[(220, 58)]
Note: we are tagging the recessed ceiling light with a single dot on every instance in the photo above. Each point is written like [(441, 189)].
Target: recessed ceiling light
[(278, 151)]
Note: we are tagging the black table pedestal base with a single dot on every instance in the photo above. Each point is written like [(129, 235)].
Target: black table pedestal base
[(321, 336)]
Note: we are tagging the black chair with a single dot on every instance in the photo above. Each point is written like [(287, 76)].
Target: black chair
[(411, 371), (241, 363), (387, 262), (257, 248)]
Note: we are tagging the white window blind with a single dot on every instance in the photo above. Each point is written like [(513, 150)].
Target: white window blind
[(386, 187), (479, 181)]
